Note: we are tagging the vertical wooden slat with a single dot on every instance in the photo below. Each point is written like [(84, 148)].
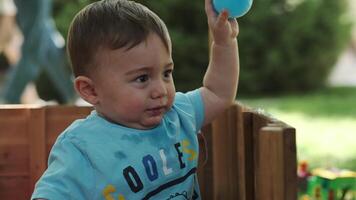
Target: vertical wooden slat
[(37, 144), (241, 153), (276, 175), (249, 155), (225, 159), (258, 121), (219, 157), (233, 169), (290, 163), (14, 158), (269, 179)]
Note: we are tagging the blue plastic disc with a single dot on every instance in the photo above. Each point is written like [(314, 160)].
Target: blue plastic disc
[(236, 8)]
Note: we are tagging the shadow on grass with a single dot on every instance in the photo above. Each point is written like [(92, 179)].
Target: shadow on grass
[(331, 102)]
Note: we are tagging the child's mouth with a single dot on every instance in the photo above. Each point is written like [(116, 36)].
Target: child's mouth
[(156, 111)]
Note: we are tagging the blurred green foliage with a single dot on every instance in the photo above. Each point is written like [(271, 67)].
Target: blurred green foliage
[(65, 10), (288, 46), (284, 45)]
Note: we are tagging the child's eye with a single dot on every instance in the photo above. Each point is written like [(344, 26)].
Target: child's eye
[(142, 78), (168, 73)]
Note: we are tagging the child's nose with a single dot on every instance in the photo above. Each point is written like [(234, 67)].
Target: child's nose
[(159, 89)]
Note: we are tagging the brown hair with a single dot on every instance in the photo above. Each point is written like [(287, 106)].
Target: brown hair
[(112, 24)]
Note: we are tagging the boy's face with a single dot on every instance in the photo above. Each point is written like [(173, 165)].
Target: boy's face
[(135, 87)]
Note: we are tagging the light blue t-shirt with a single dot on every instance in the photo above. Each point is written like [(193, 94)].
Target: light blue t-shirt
[(96, 159)]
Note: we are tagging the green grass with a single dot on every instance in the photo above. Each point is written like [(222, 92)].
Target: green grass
[(325, 122)]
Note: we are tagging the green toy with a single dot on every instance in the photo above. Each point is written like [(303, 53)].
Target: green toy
[(330, 185)]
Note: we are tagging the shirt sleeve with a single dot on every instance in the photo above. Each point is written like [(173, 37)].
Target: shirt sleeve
[(69, 174), (192, 105)]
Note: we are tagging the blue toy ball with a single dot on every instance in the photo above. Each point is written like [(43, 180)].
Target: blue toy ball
[(236, 8)]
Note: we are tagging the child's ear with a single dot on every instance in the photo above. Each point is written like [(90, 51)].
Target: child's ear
[(86, 89)]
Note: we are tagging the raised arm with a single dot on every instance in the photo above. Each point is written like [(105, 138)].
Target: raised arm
[(221, 78)]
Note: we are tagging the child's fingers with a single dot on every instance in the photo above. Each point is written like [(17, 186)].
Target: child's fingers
[(209, 9), (222, 18), (233, 23), (234, 27)]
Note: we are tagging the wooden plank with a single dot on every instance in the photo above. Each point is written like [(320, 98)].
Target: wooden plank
[(249, 155), (37, 144), (258, 122), (225, 159), (14, 160), (224, 174), (277, 178), (290, 163), (13, 126), (220, 142), (23, 153), (233, 169), (14, 187), (269, 179), (241, 153)]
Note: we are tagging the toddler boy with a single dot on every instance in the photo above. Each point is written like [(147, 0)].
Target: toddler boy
[(140, 142)]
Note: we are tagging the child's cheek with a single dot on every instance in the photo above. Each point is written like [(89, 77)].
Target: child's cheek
[(135, 105)]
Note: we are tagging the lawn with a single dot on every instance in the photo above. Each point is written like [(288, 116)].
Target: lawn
[(325, 122)]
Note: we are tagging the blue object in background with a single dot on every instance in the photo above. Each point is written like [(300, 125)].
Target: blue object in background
[(236, 8), (42, 49)]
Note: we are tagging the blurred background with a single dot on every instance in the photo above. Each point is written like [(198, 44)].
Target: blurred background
[(297, 57)]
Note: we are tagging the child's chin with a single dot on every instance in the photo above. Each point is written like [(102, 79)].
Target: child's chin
[(153, 122)]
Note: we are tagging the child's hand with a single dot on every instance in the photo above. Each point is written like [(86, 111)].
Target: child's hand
[(224, 31)]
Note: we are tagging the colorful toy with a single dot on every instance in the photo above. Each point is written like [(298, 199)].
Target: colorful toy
[(325, 184), (236, 8)]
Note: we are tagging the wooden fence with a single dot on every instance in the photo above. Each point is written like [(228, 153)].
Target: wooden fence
[(249, 156)]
